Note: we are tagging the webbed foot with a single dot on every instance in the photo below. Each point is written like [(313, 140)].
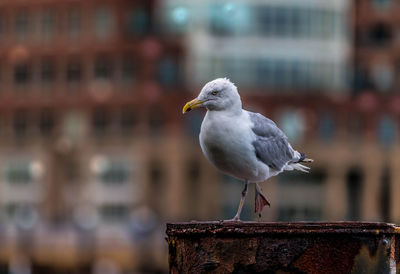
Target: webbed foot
[(260, 201)]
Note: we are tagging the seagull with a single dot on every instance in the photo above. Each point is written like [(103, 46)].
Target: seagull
[(240, 143)]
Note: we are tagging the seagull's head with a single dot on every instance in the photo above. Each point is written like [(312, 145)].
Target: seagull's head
[(219, 94)]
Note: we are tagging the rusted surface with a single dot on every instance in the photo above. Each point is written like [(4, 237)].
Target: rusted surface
[(252, 247)]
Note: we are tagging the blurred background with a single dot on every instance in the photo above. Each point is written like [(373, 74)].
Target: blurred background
[(95, 154)]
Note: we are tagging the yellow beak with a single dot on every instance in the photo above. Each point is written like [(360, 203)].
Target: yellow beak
[(191, 105)]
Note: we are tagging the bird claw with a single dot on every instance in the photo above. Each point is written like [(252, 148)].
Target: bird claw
[(233, 220), (260, 202)]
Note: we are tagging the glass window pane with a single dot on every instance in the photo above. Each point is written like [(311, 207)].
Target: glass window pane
[(18, 172), (46, 122), (116, 173), (74, 72), (102, 68), (22, 74), (128, 121), (74, 23), (21, 25), (326, 127), (47, 24), (168, 71), (114, 213), (100, 121), (387, 131), (138, 21), (20, 123), (104, 22), (48, 71), (128, 72)]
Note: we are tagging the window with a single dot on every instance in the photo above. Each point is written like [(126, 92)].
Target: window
[(22, 74), (114, 213), (100, 121), (21, 25), (20, 123), (387, 131), (356, 126), (281, 21), (292, 123), (73, 125), (354, 191), (104, 22), (46, 122), (380, 35), (47, 24), (21, 212), (381, 3), (220, 22), (157, 174), (296, 22), (193, 177), (128, 121), (264, 72), (321, 23), (230, 18), (128, 71), (305, 25), (326, 127), (157, 177), (48, 72), (114, 172), (102, 68), (280, 72), (193, 124), (138, 21), (284, 21), (74, 72), (74, 23), (361, 79), (156, 122), (329, 24), (383, 75), (177, 18), (168, 71), (385, 194), (297, 75), (19, 172), (265, 19)]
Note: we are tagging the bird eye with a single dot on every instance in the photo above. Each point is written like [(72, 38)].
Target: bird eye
[(214, 92)]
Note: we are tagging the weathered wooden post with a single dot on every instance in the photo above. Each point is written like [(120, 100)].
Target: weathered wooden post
[(252, 247)]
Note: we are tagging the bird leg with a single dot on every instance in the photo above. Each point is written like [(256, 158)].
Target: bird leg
[(244, 193), (260, 200)]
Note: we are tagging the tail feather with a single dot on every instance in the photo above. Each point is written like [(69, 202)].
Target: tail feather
[(300, 167), (304, 159), (297, 166), (307, 160)]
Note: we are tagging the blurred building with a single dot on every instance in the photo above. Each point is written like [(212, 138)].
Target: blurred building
[(84, 119), (276, 45)]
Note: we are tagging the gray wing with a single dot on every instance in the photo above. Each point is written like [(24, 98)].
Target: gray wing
[(271, 145)]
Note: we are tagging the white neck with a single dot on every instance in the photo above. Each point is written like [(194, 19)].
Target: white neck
[(232, 111)]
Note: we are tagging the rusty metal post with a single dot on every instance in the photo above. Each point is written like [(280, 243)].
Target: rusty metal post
[(251, 247)]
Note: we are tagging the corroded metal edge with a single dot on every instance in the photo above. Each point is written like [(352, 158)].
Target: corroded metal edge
[(252, 228)]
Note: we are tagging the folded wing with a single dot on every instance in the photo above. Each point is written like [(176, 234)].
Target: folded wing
[(271, 145)]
